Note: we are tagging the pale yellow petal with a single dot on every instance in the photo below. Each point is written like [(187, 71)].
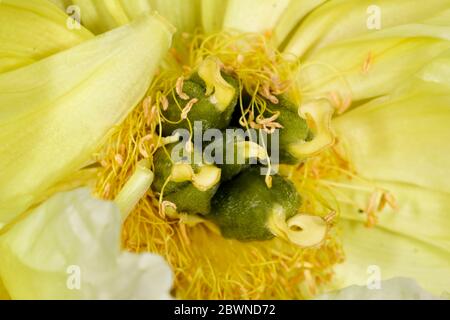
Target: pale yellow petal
[(422, 214), (393, 289), (54, 114), (343, 19), (101, 15), (135, 8), (392, 255), (438, 70), (401, 138), (184, 15), (371, 66), (291, 17), (253, 15), (62, 4), (399, 141), (3, 293), (212, 14), (411, 240), (32, 30)]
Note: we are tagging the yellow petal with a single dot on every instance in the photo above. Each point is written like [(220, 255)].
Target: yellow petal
[(393, 289), (3, 293), (103, 15), (32, 30), (339, 20), (422, 214), (253, 15), (392, 255), (100, 16), (54, 114), (275, 18), (62, 4), (371, 66), (401, 138), (135, 8), (412, 241), (291, 16), (69, 248), (184, 15), (212, 14), (438, 70)]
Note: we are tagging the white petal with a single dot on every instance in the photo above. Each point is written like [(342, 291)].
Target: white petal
[(69, 248)]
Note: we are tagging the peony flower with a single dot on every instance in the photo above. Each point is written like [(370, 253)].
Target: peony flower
[(358, 90)]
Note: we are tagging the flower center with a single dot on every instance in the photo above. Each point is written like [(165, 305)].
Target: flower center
[(215, 72)]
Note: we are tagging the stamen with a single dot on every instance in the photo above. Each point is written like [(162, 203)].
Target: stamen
[(152, 115), (391, 200), (104, 163), (261, 120), (146, 103), (187, 108), (367, 63), (265, 92), (141, 147), (179, 89), (164, 102), (341, 104), (119, 159)]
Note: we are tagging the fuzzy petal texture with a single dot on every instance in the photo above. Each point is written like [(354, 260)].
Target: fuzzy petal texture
[(69, 248), (32, 30), (55, 113)]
